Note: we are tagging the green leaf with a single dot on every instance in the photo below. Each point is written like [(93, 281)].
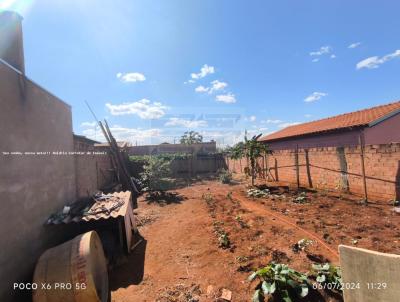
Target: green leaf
[(321, 278), (262, 272), (303, 291), (273, 288), (256, 296), (252, 276), (292, 283), (265, 287), (280, 278), (268, 288), (285, 296), (326, 266)]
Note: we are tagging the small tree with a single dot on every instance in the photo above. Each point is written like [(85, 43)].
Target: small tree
[(156, 173), (191, 137), (253, 149), (236, 152)]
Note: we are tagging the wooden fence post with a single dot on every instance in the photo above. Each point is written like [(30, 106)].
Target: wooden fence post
[(265, 166), (296, 161), (361, 141), (308, 169), (276, 169)]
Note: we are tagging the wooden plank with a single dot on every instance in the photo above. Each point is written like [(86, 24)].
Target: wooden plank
[(296, 162), (310, 184), (361, 141)]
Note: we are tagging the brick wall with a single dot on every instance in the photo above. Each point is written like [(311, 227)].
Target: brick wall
[(382, 169)]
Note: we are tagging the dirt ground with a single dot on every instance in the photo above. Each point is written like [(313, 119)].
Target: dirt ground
[(181, 258)]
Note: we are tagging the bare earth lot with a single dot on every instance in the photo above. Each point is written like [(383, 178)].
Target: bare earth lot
[(181, 260)]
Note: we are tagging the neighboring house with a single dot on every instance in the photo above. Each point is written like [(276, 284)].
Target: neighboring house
[(328, 152), (106, 146), (165, 148), (82, 143)]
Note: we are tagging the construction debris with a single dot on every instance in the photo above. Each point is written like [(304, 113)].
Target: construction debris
[(226, 295), (98, 206)]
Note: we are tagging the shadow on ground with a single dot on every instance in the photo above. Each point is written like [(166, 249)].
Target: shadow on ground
[(164, 198), (130, 272)]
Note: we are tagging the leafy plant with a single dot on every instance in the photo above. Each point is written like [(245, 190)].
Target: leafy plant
[(301, 198), (155, 175), (242, 224), (279, 282), (254, 149), (225, 176), (208, 198), (257, 193), (242, 259), (224, 241), (328, 274), (301, 245)]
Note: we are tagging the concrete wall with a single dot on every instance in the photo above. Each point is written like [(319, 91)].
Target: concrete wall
[(93, 168), (207, 147), (31, 186), (187, 166), (382, 169)]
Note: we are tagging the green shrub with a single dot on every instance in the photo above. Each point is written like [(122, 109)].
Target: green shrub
[(328, 274), (155, 176), (225, 176), (257, 193), (279, 282)]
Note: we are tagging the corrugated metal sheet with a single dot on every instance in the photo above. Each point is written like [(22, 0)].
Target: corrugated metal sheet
[(343, 121), (108, 206)]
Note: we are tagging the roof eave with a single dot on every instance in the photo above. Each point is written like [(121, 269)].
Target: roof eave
[(383, 118), (314, 133)]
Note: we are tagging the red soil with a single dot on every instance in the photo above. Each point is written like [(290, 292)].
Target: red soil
[(181, 254)]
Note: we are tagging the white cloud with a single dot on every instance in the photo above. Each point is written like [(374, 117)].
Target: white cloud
[(143, 108), (270, 121), (179, 122), (323, 50), (204, 71), (315, 60), (315, 96), (228, 98), (284, 125), (215, 86), (88, 124), (333, 56), (375, 62), (354, 45), (252, 118), (201, 89), (131, 77), (120, 133), (307, 115)]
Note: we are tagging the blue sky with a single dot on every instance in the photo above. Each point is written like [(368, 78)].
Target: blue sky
[(257, 65)]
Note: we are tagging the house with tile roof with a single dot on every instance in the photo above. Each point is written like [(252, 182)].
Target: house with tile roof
[(377, 125), (356, 152)]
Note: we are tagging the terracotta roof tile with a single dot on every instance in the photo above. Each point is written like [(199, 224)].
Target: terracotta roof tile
[(347, 120)]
